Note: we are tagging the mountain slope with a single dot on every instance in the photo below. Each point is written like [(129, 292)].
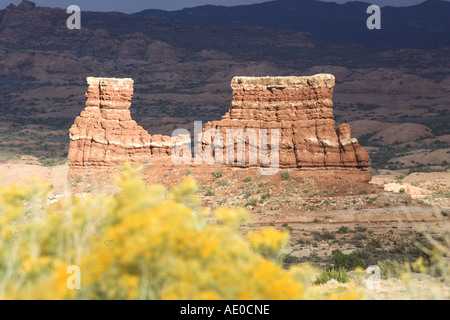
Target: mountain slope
[(421, 26)]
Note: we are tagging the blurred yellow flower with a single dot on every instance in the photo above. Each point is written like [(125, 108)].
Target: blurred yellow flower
[(269, 242), (143, 242)]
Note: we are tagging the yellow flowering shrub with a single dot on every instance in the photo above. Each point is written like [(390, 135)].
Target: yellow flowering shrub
[(142, 242), (269, 242)]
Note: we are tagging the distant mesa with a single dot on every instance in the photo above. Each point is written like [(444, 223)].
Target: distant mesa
[(105, 136)]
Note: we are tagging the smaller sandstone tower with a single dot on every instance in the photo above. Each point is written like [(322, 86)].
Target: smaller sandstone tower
[(104, 136)]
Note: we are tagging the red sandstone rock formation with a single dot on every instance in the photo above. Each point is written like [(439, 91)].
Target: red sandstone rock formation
[(301, 109), (104, 135)]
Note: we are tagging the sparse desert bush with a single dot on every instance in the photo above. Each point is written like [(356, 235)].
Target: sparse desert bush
[(374, 243), (435, 257), (221, 202), (223, 182), (359, 237), (247, 179), (285, 175), (287, 227), (290, 259), (264, 197), (348, 261), (303, 242), (252, 202), (217, 173), (324, 235), (343, 229), (390, 269), (246, 194), (209, 192), (338, 274)]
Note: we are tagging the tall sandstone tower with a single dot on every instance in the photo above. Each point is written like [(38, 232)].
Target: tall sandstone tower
[(301, 108)]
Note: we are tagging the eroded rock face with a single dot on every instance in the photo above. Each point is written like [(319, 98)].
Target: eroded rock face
[(104, 135), (301, 109)]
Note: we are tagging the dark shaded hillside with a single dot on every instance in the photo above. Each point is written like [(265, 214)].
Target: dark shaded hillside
[(426, 25)]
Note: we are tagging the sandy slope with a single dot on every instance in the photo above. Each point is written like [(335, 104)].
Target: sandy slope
[(24, 168)]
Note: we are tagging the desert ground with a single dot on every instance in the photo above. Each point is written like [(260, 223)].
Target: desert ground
[(394, 208)]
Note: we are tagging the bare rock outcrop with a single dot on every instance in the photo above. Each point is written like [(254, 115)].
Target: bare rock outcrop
[(104, 136), (301, 109)]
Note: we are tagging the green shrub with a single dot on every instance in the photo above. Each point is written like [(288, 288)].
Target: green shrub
[(264, 197), (303, 242), (347, 261), (390, 269), (338, 274), (325, 235), (285, 175), (217, 173), (343, 229), (288, 227), (374, 243), (359, 237), (290, 259), (248, 179), (209, 192), (360, 229), (252, 202)]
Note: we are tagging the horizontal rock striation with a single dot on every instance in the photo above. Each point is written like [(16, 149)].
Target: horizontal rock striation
[(301, 109)]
